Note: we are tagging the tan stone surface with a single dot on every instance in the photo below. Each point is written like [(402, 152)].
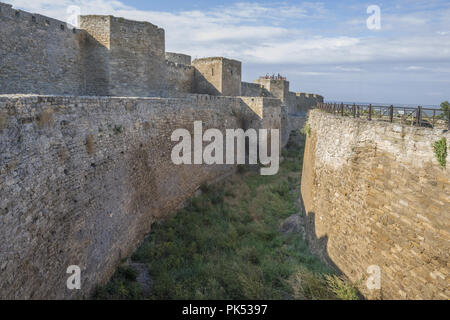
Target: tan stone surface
[(375, 195)]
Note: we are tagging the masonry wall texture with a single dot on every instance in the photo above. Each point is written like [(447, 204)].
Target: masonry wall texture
[(278, 88), (135, 55), (218, 76), (178, 58), (249, 89), (84, 178), (301, 103), (180, 79), (95, 48), (375, 194), (34, 47)]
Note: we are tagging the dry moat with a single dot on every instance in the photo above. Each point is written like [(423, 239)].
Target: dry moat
[(241, 239)]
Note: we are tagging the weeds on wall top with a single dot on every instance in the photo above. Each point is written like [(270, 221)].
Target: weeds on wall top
[(306, 130), (440, 150), (445, 106)]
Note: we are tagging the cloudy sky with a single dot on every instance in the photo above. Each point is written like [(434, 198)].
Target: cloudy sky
[(322, 47)]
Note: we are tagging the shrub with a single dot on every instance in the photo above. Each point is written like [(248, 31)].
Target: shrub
[(308, 286), (440, 150), (306, 130), (118, 129), (226, 244), (342, 288), (445, 106), (127, 272)]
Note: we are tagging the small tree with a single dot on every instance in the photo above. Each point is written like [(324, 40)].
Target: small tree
[(445, 106)]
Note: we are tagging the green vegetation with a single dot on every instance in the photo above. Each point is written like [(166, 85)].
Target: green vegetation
[(440, 150), (306, 130), (445, 106), (226, 244), (118, 129)]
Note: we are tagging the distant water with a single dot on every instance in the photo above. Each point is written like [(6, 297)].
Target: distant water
[(404, 105)]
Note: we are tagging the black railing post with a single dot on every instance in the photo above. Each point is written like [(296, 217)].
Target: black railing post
[(370, 112), (354, 111), (419, 116), (391, 113), (342, 109)]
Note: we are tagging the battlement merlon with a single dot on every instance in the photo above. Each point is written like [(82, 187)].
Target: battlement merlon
[(178, 58)]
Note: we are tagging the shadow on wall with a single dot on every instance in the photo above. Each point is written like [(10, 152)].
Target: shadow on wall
[(204, 86), (318, 246), (96, 66)]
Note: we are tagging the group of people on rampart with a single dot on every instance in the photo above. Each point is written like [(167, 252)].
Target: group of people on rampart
[(273, 77)]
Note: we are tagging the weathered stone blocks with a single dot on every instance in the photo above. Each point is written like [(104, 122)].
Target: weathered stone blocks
[(375, 194)]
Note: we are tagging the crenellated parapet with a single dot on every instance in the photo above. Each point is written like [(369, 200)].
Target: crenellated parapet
[(178, 58), (113, 56)]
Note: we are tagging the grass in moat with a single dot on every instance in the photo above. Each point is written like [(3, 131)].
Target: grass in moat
[(226, 244)]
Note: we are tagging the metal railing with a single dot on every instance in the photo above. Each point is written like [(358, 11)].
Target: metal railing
[(422, 117)]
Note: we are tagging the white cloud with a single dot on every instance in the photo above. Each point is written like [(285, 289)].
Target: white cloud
[(249, 31), (415, 68), (309, 73), (333, 46), (347, 69)]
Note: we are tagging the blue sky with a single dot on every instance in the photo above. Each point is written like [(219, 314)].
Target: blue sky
[(322, 47)]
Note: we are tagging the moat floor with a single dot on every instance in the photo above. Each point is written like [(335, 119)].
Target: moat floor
[(242, 239)]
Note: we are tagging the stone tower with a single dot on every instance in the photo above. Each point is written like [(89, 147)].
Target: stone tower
[(124, 57), (218, 76), (277, 88)]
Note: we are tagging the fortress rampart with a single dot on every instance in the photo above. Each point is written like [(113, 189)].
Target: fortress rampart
[(83, 179), (86, 117), (178, 58), (39, 54), (110, 56), (180, 79), (375, 195)]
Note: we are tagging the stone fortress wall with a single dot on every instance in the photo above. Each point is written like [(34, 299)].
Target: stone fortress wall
[(86, 117), (39, 54), (375, 195), (84, 172), (83, 179), (111, 56)]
